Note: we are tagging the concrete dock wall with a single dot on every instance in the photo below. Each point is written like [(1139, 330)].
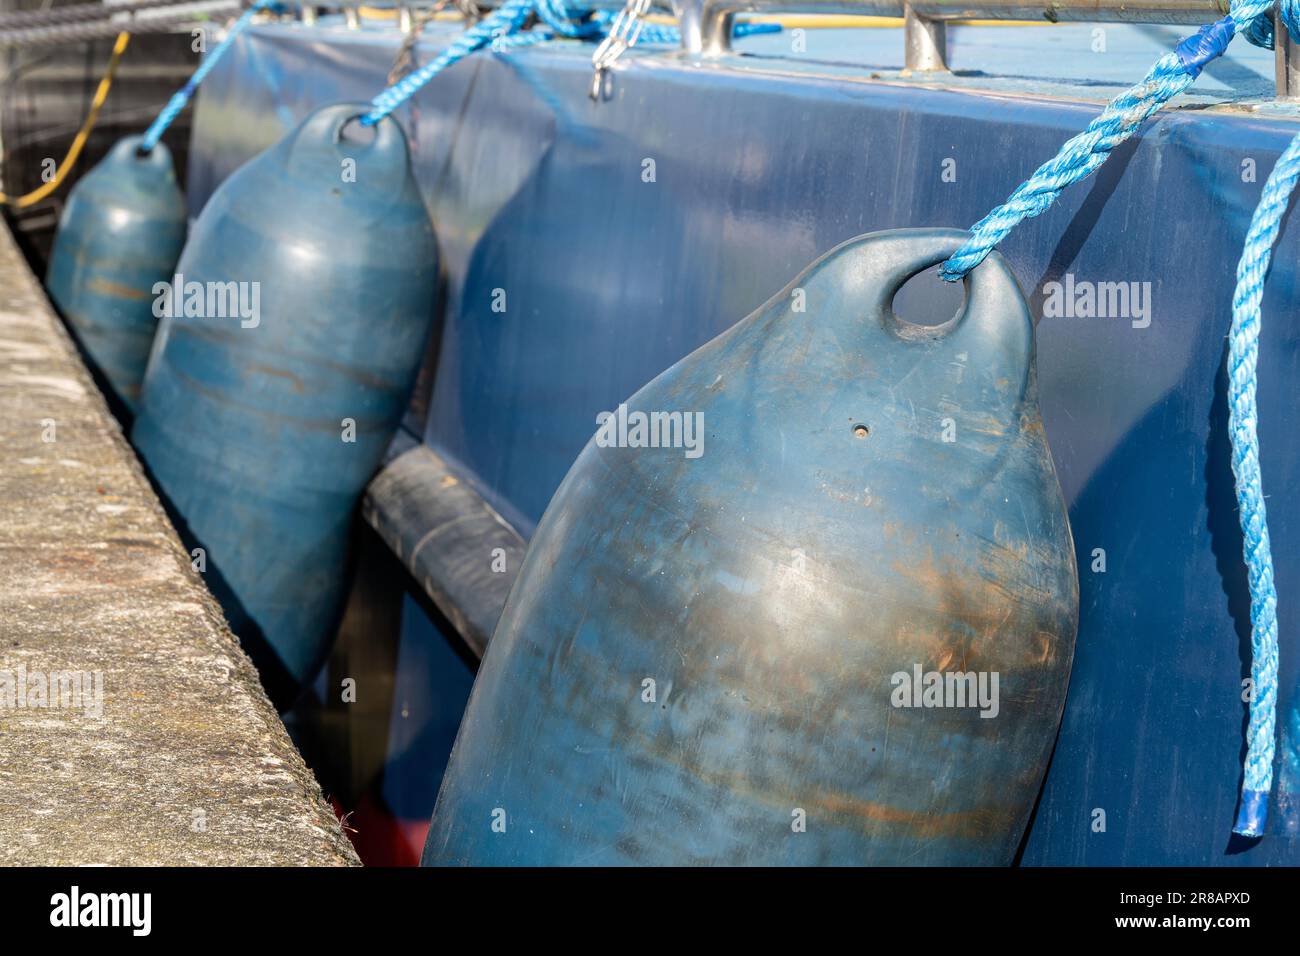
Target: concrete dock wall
[(133, 729)]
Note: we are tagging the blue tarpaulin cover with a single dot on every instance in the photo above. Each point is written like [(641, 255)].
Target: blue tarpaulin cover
[(765, 160)]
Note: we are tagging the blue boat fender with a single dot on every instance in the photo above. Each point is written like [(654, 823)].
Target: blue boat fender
[(120, 235), (808, 597), (282, 367)]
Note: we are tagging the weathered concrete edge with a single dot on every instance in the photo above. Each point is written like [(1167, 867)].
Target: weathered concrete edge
[(233, 790)]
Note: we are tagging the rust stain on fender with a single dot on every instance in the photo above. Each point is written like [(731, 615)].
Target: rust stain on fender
[(115, 289), (773, 590)]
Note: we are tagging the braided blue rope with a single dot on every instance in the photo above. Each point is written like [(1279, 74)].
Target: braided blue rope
[(182, 96), (1243, 351), (1082, 154)]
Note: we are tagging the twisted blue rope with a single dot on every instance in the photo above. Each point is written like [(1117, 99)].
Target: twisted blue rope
[(1079, 157), (1243, 351), (182, 96), (500, 29), (1082, 154), (566, 22), (505, 20), (1260, 30)]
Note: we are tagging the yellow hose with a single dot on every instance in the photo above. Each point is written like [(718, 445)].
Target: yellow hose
[(386, 13), (74, 151)]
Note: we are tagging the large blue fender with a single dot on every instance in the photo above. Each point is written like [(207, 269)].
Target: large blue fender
[(837, 631), (270, 398), (120, 234)]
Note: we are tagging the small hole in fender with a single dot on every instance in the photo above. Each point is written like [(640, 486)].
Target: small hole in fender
[(861, 431), (354, 132), (927, 300)]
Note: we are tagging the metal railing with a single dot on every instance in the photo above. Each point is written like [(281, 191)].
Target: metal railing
[(706, 25)]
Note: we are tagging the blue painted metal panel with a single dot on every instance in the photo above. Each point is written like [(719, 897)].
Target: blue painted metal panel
[(761, 167)]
